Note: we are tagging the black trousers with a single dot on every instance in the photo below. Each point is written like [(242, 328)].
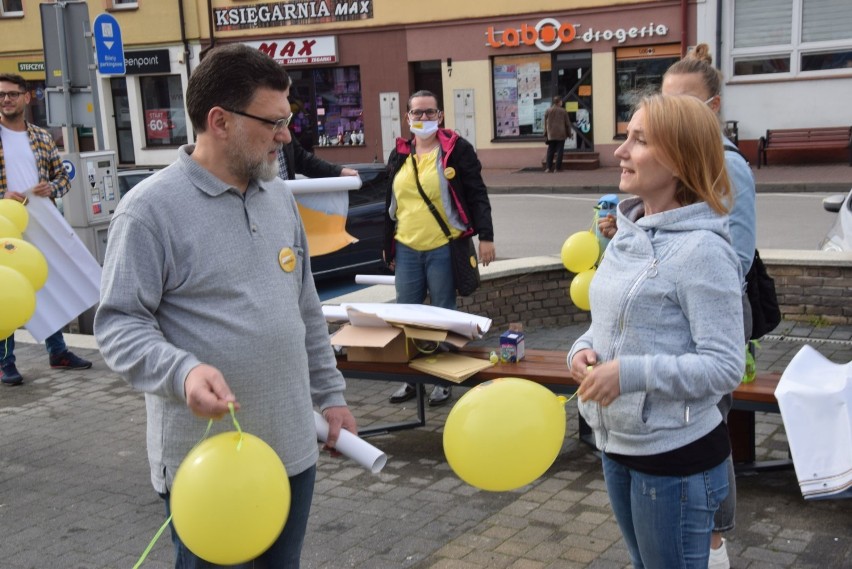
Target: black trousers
[(556, 147)]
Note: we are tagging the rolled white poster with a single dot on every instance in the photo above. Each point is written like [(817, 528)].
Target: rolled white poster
[(314, 185), (353, 447), (374, 279)]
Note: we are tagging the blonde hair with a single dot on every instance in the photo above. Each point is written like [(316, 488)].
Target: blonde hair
[(700, 62), (684, 135)]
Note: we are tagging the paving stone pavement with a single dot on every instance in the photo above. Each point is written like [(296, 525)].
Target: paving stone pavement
[(75, 493)]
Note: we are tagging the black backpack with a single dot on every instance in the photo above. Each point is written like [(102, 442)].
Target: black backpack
[(760, 287)]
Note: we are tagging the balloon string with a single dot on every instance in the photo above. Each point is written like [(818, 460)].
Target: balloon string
[(163, 527), (236, 425), (153, 541)]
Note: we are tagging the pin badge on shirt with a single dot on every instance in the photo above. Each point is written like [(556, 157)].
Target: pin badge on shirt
[(287, 259), (449, 172)]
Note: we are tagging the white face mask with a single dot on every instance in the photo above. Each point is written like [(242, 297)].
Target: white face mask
[(423, 128)]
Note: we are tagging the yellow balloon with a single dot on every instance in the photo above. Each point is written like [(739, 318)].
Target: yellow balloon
[(579, 290), (15, 212), (17, 299), (230, 504), (580, 251), (503, 434), (25, 258), (7, 227)]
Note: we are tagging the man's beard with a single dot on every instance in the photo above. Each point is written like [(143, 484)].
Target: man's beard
[(14, 114), (245, 165)]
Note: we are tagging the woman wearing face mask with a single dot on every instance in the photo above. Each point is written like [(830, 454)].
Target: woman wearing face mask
[(695, 75), (416, 248)]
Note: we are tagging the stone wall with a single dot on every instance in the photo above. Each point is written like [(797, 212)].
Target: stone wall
[(812, 286)]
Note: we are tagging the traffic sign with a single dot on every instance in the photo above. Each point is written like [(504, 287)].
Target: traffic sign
[(108, 45)]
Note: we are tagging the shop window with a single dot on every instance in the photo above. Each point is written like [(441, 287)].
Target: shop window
[(163, 109), (790, 37), (522, 92), (339, 107), (11, 8), (639, 71)]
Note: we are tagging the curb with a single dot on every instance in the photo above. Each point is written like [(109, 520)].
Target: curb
[(760, 188)]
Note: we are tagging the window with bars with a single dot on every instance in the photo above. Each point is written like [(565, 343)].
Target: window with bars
[(791, 37)]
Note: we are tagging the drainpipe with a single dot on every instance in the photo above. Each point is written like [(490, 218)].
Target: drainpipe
[(719, 34), (183, 36), (210, 27), (683, 28)]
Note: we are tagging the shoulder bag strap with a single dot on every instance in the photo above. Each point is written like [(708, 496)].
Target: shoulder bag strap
[(426, 199)]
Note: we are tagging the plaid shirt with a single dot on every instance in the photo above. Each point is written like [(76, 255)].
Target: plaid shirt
[(47, 159)]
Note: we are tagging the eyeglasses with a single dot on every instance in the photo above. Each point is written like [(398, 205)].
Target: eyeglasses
[(13, 95), (277, 125), (420, 113)]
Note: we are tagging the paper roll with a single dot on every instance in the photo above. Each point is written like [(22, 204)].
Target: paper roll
[(314, 185), (352, 446), (374, 279)]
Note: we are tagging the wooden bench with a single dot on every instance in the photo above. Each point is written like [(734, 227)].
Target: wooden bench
[(549, 368), (825, 138)]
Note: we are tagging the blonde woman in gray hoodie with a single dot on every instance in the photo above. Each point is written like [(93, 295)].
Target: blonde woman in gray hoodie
[(666, 336)]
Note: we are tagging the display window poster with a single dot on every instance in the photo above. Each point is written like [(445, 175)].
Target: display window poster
[(529, 81), (507, 118)]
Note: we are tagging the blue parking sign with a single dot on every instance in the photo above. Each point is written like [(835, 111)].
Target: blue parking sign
[(109, 46)]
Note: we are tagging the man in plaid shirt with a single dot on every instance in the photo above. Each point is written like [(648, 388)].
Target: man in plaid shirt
[(29, 164)]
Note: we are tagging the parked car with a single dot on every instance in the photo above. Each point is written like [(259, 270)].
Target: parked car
[(365, 221), (129, 177), (839, 237)]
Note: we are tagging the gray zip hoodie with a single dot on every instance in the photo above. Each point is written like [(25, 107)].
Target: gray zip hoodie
[(666, 303)]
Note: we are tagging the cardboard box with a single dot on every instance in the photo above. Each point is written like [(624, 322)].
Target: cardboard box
[(511, 346), (389, 343)]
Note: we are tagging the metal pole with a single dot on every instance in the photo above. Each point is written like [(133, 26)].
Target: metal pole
[(71, 136), (93, 81)]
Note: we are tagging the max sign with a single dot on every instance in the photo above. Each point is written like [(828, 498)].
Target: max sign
[(549, 33)]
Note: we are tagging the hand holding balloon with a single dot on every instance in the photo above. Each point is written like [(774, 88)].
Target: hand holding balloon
[(600, 384), (607, 226), (583, 360), (207, 392)]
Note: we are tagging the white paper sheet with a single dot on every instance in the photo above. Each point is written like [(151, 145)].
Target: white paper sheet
[(470, 326), (74, 275), (815, 397), (353, 447)]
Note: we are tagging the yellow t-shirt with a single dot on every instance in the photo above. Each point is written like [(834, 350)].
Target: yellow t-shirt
[(416, 227)]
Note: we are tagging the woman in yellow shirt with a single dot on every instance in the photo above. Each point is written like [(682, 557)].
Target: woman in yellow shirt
[(416, 248)]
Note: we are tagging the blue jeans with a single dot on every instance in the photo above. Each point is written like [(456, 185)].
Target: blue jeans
[(419, 272), (666, 520), (286, 552), (55, 345)]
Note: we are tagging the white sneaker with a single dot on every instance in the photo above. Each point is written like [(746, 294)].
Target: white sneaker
[(440, 395), (719, 558)]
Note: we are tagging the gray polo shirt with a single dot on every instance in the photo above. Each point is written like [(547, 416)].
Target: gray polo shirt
[(192, 275)]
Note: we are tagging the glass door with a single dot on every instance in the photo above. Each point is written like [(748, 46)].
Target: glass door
[(123, 130), (303, 105), (573, 82)]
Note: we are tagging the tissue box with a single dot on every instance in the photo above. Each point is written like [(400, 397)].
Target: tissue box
[(511, 346)]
